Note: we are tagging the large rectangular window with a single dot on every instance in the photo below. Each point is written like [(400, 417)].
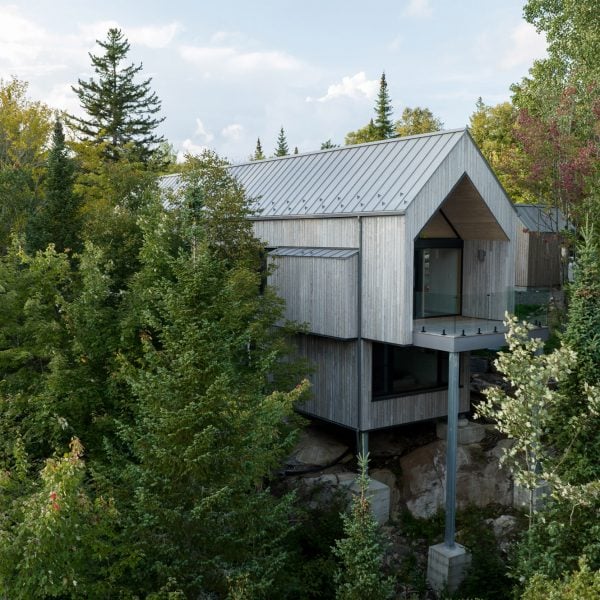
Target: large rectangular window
[(398, 370), (438, 278)]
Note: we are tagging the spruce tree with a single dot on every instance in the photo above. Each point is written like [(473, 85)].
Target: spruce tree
[(383, 111), (282, 145), (122, 113), (57, 220), (258, 152)]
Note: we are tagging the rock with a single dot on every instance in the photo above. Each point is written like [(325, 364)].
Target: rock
[(388, 442), (482, 381), (480, 481), (467, 432), (315, 447), (329, 484), (505, 529), (389, 478)]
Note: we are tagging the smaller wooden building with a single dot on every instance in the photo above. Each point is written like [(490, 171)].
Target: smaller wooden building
[(540, 238)]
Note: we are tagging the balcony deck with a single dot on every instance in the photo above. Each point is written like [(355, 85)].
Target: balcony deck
[(462, 334)]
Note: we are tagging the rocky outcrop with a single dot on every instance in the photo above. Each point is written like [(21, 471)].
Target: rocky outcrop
[(480, 480)]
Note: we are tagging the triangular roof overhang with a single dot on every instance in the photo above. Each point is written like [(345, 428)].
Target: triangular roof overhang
[(465, 215)]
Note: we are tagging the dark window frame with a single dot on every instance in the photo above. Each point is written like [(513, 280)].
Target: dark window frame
[(387, 376)]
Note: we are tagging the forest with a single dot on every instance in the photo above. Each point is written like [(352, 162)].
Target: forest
[(147, 397)]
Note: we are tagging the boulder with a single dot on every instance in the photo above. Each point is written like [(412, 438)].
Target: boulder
[(330, 484), (316, 448), (505, 529), (480, 481), (468, 432)]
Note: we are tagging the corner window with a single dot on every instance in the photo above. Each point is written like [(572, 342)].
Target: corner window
[(399, 370)]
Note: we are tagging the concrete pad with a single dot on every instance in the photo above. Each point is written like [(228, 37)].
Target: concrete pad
[(467, 432), (447, 567)]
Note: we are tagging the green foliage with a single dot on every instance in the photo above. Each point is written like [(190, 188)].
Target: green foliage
[(258, 152), (121, 112), (56, 541), (582, 584), (57, 218), (360, 574), (328, 145), (383, 111), (24, 130), (282, 145), (207, 429), (368, 133), (493, 129), (415, 121)]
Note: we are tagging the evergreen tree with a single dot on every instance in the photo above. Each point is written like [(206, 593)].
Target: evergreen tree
[(360, 574), (295, 149), (57, 220), (121, 113), (383, 111), (258, 152), (328, 145), (282, 145)]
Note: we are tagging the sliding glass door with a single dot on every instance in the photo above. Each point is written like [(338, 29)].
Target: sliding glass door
[(438, 278)]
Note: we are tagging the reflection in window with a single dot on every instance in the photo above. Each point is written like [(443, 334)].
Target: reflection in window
[(407, 370)]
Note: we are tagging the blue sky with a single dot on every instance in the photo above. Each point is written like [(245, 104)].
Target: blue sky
[(228, 72)]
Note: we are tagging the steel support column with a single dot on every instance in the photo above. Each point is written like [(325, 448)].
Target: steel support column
[(451, 446)]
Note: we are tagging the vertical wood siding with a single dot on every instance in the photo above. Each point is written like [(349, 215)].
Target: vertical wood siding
[(488, 285), (409, 409), (319, 291), (386, 280), (309, 233), (333, 379), (521, 257)]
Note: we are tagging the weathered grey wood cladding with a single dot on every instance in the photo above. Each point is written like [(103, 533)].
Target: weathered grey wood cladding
[(319, 291), (318, 233), (537, 259), (333, 392), (410, 408), (488, 273), (387, 280)]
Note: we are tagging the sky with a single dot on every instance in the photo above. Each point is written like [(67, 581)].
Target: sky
[(231, 71)]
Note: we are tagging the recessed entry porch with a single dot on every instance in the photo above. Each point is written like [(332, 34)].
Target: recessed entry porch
[(462, 275)]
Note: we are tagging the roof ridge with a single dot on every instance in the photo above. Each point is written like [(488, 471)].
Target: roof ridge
[(349, 147)]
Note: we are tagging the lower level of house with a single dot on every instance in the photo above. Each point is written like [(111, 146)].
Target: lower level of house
[(369, 385)]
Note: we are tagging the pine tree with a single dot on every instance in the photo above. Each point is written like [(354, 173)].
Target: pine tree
[(282, 145), (258, 152), (383, 111), (121, 113), (296, 150), (359, 576), (57, 220)]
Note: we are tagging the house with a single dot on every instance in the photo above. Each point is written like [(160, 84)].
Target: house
[(399, 256), (540, 238)]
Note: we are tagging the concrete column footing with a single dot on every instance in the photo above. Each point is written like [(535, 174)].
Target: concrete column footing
[(447, 566)]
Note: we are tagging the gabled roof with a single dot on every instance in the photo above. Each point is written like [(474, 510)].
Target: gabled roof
[(542, 219), (378, 177)]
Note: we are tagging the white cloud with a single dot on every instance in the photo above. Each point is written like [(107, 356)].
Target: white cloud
[(202, 132), (233, 132), (396, 43), (231, 60), (354, 86), (153, 36), (526, 45), (189, 147), (418, 8)]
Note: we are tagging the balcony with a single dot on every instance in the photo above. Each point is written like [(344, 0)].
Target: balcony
[(479, 326)]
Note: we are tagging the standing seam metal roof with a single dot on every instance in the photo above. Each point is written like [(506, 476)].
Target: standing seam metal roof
[(342, 253), (377, 177), (542, 219)]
